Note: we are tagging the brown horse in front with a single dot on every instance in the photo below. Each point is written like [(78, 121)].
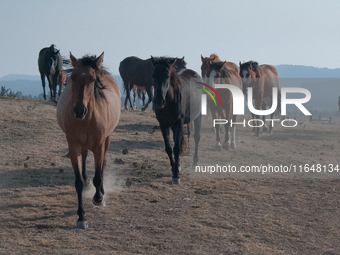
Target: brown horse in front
[(262, 78), (218, 73), (88, 111)]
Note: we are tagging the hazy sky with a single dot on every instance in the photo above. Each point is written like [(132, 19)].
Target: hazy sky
[(299, 32)]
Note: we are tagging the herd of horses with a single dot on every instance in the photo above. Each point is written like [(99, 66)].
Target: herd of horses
[(89, 108)]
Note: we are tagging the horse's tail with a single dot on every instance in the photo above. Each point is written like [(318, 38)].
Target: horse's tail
[(278, 108)]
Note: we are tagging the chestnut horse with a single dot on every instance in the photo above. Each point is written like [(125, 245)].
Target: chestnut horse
[(61, 79), (87, 112), (140, 92), (262, 78), (218, 73), (207, 61), (176, 102)]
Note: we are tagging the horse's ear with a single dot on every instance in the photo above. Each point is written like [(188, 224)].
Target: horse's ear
[(99, 60), (153, 61), (182, 58), (202, 58), (240, 64), (74, 60), (219, 65), (172, 61)]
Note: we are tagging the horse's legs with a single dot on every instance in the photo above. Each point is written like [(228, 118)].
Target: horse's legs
[(99, 162), (271, 123), (54, 84), (148, 90), (179, 140), (226, 143), (42, 76), (197, 137), (165, 133), (233, 129), (265, 128), (49, 85), (129, 97), (83, 165), (258, 107), (214, 114), (75, 161)]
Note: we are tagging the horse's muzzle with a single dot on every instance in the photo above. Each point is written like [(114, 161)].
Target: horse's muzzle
[(80, 112)]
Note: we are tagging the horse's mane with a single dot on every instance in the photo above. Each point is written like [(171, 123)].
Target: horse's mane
[(225, 73), (88, 60), (214, 57), (253, 64)]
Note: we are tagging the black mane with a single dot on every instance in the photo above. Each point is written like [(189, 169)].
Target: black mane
[(253, 64)]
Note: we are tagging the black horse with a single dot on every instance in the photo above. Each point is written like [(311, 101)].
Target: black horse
[(50, 62), (177, 101), (136, 71)]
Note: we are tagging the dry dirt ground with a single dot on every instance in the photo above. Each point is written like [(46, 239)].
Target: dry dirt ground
[(271, 215)]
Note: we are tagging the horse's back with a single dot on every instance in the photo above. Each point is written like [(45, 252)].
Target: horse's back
[(136, 71), (270, 71), (232, 66)]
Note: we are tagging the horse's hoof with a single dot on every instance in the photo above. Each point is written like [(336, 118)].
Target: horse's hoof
[(82, 225), (226, 145), (265, 129), (270, 131), (176, 180), (233, 145), (100, 204), (257, 134)]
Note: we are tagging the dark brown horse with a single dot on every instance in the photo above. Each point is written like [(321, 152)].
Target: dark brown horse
[(136, 71), (177, 101), (262, 78), (218, 73), (88, 111)]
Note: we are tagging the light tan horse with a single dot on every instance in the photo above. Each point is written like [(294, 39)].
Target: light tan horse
[(88, 111), (262, 78), (217, 73)]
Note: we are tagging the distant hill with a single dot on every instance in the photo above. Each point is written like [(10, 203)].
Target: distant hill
[(297, 71), (31, 84)]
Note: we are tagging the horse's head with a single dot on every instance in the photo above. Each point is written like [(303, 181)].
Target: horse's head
[(84, 78), (51, 57), (180, 64), (214, 71), (161, 79), (248, 74), (206, 62)]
